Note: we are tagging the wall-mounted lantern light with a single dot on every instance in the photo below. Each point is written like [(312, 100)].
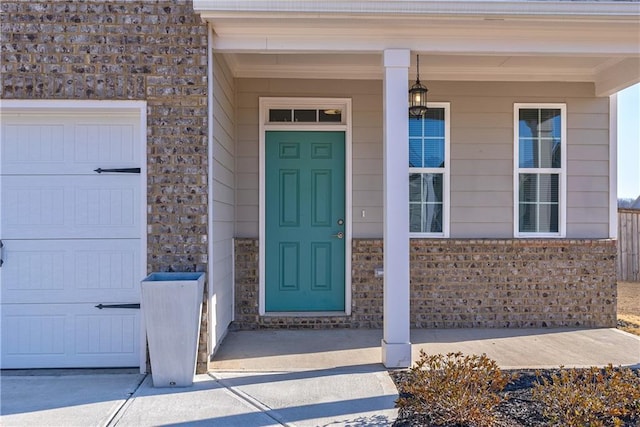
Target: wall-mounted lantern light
[(417, 95)]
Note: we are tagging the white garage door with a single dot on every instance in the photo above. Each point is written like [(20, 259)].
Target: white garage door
[(71, 238)]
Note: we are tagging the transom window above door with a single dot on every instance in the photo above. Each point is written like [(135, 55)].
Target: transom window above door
[(322, 115), (314, 112)]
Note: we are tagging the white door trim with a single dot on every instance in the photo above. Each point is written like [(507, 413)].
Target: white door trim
[(138, 107), (309, 103)]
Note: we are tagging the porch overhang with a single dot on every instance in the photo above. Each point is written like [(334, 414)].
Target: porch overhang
[(518, 41), (597, 42)]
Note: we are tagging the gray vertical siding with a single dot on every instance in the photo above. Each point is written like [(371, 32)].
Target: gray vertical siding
[(481, 152), (223, 194), (482, 155)]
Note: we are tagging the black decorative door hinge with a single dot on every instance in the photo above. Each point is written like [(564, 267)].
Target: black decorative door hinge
[(101, 306), (120, 170)]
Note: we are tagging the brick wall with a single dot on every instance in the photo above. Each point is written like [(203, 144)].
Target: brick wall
[(457, 283), (513, 283), (128, 50), (366, 296)]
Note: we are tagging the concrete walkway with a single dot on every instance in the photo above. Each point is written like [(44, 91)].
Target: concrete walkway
[(65, 397), (332, 397), (288, 377)]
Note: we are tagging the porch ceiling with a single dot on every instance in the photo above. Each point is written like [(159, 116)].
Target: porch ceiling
[(595, 42)]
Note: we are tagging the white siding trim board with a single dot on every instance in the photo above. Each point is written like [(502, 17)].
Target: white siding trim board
[(613, 166), (222, 197), (210, 158)]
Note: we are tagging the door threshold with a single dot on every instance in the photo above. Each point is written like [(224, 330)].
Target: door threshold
[(305, 314)]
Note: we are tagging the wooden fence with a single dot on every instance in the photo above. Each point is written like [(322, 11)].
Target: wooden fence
[(628, 245)]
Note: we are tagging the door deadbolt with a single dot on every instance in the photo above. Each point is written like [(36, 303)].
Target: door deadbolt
[(340, 221)]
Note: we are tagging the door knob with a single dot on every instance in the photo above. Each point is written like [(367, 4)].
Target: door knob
[(340, 235)]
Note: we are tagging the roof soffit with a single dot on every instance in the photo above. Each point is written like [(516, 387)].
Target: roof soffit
[(472, 40), (514, 35), (389, 8)]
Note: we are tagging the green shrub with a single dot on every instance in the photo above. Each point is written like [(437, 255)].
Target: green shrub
[(454, 389), (591, 397)]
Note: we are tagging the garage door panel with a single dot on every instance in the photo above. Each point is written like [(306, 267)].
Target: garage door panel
[(68, 335), (106, 333), (54, 271), (36, 145), (70, 207), (72, 237), (35, 334), (28, 148)]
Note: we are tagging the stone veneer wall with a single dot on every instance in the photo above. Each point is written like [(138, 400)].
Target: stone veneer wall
[(460, 283), (128, 50)]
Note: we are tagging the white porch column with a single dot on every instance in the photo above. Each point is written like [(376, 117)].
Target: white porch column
[(396, 345)]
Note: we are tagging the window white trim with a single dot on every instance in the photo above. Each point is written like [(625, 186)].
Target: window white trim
[(446, 191), (265, 103), (562, 171)]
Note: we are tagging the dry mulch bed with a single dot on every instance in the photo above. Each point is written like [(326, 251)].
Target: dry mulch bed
[(518, 410), (629, 307)]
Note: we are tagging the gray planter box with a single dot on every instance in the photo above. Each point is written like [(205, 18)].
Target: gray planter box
[(171, 304)]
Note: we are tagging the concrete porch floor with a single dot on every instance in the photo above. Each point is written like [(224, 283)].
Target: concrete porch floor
[(291, 350), (300, 378)]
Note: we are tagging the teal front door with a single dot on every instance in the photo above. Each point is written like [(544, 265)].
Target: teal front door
[(304, 221)]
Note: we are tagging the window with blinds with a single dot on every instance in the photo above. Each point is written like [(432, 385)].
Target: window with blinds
[(540, 171)]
